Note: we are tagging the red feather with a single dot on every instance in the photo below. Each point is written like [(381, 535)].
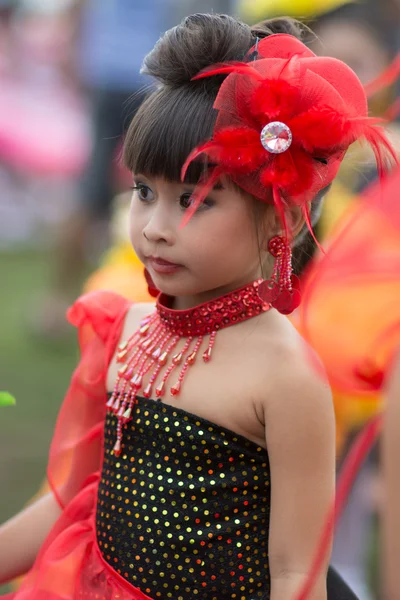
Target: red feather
[(204, 186), (292, 171), (194, 154), (227, 68), (280, 208), (241, 149), (235, 148), (307, 219), (385, 79), (274, 98), (383, 150), (280, 171), (319, 128)]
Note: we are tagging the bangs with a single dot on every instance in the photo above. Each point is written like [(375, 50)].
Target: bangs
[(166, 128)]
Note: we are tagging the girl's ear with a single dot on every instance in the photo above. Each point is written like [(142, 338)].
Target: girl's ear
[(272, 226), (296, 220), (269, 226)]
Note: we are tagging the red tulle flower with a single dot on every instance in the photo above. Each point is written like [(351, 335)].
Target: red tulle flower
[(320, 107)]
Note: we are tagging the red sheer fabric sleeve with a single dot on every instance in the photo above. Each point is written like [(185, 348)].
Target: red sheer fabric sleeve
[(69, 565), (75, 451)]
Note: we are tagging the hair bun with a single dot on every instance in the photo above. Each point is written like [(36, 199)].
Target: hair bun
[(199, 41), (202, 40)]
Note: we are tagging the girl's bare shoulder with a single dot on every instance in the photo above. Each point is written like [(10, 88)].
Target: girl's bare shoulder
[(289, 370)]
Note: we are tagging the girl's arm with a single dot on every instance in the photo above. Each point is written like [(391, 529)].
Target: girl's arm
[(22, 536), (391, 512), (300, 436)]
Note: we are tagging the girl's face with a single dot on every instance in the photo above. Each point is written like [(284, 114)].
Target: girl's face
[(216, 252)]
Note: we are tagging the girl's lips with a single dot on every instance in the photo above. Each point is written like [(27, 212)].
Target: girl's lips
[(163, 266)]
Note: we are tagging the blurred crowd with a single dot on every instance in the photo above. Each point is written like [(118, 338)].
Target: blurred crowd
[(70, 82)]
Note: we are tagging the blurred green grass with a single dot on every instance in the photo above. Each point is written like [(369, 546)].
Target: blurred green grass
[(35, 372)]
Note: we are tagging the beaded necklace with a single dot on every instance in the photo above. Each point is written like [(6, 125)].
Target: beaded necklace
[(148, 350)]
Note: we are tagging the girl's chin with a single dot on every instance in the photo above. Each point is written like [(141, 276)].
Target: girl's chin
[(176, 288), (171, 286)]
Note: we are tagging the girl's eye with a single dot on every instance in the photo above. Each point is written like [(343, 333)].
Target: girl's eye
[(185, 201), (144, 192)]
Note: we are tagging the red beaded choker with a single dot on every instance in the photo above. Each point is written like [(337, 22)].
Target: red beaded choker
[(151, 349)]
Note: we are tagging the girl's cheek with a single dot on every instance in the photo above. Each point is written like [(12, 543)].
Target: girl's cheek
[(135, 232)]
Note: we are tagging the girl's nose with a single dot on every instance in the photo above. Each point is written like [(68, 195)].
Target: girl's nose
[(159, 228)]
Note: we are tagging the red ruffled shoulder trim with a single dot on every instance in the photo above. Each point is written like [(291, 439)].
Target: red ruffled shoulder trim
[(75, 452), (99, 309)]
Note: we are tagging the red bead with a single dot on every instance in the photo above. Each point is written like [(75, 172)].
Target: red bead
[(163, 358), (277, 245), (207, 355), (121, 355), (147, 391), (127, 415), (122, 370), (110, 403), (117, 448), (191, 359), (176, 388), (177, 358), (137, 380), (160, 391)]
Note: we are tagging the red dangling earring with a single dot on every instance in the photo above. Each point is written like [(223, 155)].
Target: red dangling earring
[(282, 290), (151, 288)]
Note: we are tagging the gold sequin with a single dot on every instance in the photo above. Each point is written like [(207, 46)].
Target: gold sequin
[(184, 536)]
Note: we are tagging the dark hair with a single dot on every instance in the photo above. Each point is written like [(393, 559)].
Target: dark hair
[(179, 114)]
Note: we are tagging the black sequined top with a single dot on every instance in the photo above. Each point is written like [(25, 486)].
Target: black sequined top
[(184, 511)]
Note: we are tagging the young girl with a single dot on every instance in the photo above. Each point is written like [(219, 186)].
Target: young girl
[(194, 453)]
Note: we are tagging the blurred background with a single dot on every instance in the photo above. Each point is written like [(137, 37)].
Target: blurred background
[(69, 85)]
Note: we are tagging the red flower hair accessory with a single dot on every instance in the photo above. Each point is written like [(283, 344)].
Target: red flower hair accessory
[(285, 121)]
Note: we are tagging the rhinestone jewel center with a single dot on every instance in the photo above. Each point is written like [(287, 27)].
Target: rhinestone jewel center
[(276, 137)]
